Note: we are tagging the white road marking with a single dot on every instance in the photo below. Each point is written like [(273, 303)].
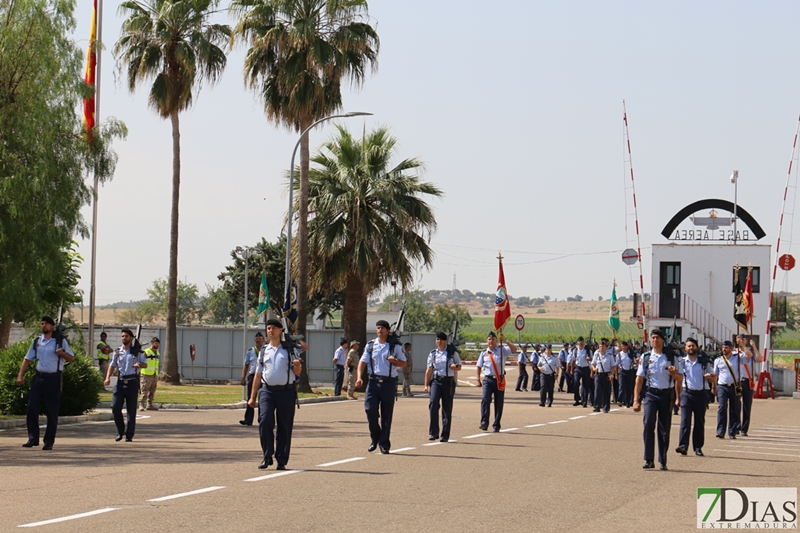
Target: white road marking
[(578, 417), (71, 517), (182, 494), (276, 474), (509, 429), (433, 443), (403, 449), (757, 453), (616, 409), (475, 436), (592, 414), (343, 461), (535, 425), (557, 422), (762, 447), (780, 427)]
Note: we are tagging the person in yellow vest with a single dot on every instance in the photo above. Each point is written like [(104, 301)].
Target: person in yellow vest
[(150, 376), (103, 351)]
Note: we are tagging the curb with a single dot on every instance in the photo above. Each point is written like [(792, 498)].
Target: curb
[(95, 417), (237, 405)]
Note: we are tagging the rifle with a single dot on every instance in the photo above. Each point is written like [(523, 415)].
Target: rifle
[(59, 336), (290, 344), (394, 338), (453, 342)]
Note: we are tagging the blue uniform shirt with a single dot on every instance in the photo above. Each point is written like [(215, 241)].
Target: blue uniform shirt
[(581, 357), (624, 360), (571, 355), (563, 355), (522, 358), (485, 362), (747, 364), (274, 365), (438, 361), (251, 358), (721, 369), (535, 358), (378, 359), (45, 354), (693, 374), (603, 363), (657, 374), (124, 361), (340, 355), (548, 365)]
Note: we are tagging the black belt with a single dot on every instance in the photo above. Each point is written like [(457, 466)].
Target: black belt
[(380, 379), (440, 378), (603, 373), (337, 364), (277, 388), (45, 374), (726, 384), (659, 391), (695, 391), (129, 376)]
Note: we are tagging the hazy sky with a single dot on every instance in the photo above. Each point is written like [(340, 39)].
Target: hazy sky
[(517, 113)]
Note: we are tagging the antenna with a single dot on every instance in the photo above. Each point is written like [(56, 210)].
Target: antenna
[(455, 287), (632, 239)]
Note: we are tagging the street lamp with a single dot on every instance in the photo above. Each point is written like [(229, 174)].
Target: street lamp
[(245, 254), (291, 191), (735, 181)]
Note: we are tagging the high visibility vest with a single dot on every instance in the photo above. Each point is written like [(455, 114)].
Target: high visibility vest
[(152, 363), (100, 355)]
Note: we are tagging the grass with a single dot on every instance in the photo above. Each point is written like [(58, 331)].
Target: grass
[(202, 394), (549, 329)]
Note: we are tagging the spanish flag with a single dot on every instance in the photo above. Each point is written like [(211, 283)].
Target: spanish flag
[(91, 71), (502, 309)]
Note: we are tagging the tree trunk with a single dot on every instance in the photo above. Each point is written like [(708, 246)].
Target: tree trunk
[(354, 314), (302, 251), (5, 329), (171, 372)]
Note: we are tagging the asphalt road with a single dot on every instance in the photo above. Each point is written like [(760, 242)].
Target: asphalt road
[(554, 469)]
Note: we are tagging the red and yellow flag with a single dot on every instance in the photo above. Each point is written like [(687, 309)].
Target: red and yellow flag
[(502, 308), (91, 71)]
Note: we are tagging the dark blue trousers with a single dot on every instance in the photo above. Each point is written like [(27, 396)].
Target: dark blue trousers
[(693, 404), (379, 405), (747, 405), (564, 377), (536, 381), (522, 380), (127, 393), (44, 389), (728, 404), (548, 382), (657, 411), (490, 390), (583, 386), (602, 392), (337, 383), (441, 392), (276, 406), (615, 389), (249, 412), (627, 379)]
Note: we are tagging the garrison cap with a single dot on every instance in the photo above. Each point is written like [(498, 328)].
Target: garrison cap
[(258, 334), (658, 332), (49, 320), (128, 331), (441, 335), (343, 340), (382, 324), (728, 344), (491, 334), (275, 323), (692, 339), (154, 339)]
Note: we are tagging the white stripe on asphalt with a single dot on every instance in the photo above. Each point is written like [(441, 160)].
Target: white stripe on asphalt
[(475, 436), (71, 517), (758, 453), (535, 425), (402, 449), (616, 409), (762, 447), (433, 443), (592, 414), (578, 417), (764, 443), (277, 474), (182, 494), (509, 429), (343, 461), (557, 422)]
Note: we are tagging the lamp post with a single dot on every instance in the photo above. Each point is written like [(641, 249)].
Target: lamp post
[(291, 191), (735, 181), (245, 253)]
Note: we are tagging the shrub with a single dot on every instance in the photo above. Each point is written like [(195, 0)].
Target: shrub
[(541, 311), (81, 382)]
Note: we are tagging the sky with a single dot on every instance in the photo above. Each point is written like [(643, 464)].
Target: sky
[(517, 114)]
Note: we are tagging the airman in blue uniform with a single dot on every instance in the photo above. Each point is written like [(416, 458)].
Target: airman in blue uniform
[(249, 374), (440, 373), (604, 368), (746, 375), (627, 375), (563, 359), (522, 363), (727, 368), (339, 359), (548, 368), (48, 353), (492, 357), (581, 372), (127, 359), (697, 379)]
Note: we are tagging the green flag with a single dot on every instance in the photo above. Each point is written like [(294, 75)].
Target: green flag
[(263, 295), (613, 314)]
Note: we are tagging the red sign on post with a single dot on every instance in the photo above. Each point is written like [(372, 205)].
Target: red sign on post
[(192, 351), (786, 262), (519, 322)]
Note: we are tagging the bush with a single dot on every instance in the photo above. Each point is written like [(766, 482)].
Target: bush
[(82, 382), (541, 311)]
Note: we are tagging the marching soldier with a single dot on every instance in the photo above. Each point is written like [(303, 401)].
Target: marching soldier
[(581, 386), (491, 367), (522, 363), (726, 368), (407, 371), (440, 371), (150, 376), (127, 359), (563, 358), (249, 374), (627, 375), (694, 402), (548, 367), (48, 352), (339, 358), (383, 359), (660, 375), (604, 369), (746, 379), (536, 381), (276, 372)]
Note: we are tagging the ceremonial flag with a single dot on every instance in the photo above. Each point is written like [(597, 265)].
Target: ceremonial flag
[(741, 302), (613, 314), (290, 306), (91, 71), (502, 309), (748, 297), (263, 295)]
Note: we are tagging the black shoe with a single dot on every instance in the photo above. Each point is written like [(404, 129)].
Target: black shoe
[(524, 390), (444, 439), (384, 451), (433, 437), (595, 410), (649, 464), (484, 428), (541, 405), (372, 447), (281, 467), (47, 447), (549, 405), (663, 467), (733, 437), (118, 437), (128, 439), (576, 404), (242, 422), (31, 444), (720, 436), (497, 430), (681, 450), (744, 433), (698, 452), (584, 406), (265, 463), (606, 411)]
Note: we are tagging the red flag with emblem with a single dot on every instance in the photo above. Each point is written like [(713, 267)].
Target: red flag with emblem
[(502, 309), (91, 72)]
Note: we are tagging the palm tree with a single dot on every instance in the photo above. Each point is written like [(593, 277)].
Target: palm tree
[(173, 44), (369, 224), (300, 53)]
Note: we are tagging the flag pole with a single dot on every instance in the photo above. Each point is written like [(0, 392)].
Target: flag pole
[(96, 190)]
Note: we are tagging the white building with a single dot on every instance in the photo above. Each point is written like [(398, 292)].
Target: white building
[(693, 273)]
